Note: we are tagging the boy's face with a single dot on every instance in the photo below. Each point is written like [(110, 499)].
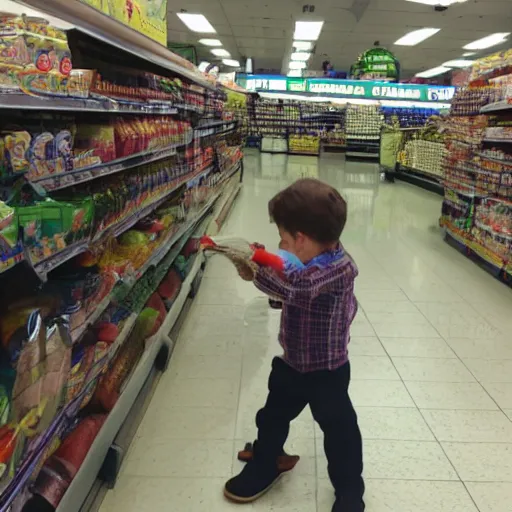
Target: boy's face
[(293, 244)]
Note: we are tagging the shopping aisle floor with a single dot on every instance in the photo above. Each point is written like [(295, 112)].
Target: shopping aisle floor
[(432, 367)]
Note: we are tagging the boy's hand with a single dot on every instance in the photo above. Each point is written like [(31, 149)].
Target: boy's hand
[(246, 269)]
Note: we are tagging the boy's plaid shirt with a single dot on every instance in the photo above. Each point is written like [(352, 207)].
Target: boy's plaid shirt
[(319, 306)]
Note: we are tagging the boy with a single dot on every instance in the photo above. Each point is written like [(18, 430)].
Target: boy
[(318, 307)]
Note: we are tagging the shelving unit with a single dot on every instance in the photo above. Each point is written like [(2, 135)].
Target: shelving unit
[(477, 210), (163, 171)]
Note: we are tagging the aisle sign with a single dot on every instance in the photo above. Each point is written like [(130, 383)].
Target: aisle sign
[(368, 89), (149, 17), (361, 89)]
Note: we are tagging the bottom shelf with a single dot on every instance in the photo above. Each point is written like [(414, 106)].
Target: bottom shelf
[(362, 154), (417, 178), (457, 242)]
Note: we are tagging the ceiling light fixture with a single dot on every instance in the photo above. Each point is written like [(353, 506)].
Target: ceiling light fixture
[(303, 45), (210, 42), (220, 52), (295, 64), (295, 73), (203, 65), (487, 42), (417, 36), (303, 56), (308, 30), (458, 63), (468, 54), (433, 72), (196, 22), (442, 3), (231, 62)]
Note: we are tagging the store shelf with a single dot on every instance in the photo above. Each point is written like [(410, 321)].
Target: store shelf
[(78, 176), (360, 154), (122, 406), (497, 141), (86, 476), (104, 28), (216, 129), (420, 179), (42, 268), (498, 106), (55, 103), (498, 271)]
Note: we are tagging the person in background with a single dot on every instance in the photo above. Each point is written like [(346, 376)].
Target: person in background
[(318, 307)]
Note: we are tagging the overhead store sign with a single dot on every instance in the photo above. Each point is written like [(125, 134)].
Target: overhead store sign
[(149, 17), (361, 89)]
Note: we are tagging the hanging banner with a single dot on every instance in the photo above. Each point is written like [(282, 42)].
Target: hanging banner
[(149, 17), (360, 89)]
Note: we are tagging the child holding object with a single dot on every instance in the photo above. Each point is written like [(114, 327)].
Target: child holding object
[(316, 289)]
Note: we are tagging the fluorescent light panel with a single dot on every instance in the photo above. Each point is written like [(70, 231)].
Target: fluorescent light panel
[(468, 54), (417, 36), (196, 22), (210, 42), (446, 3), (302, 56), (433, 72), (458, 63), (308, 30), (487, 42), (220, 52), (231, 62), (295, 73), (295, 64), (303, 45)]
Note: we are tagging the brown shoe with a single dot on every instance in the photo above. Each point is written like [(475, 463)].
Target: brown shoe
[(285, 462)]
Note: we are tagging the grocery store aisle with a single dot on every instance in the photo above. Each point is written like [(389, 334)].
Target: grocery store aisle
[(432, 367)]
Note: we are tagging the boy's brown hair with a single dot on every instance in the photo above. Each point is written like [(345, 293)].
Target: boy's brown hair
[(310, 207)]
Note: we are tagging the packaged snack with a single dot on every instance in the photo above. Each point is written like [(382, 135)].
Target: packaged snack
[(79, 83), (16, 151), (100, 139)]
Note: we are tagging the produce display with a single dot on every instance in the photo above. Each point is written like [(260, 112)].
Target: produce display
[(102, 202), (477, 209), (304, 144), (423, 150), (363, 126)]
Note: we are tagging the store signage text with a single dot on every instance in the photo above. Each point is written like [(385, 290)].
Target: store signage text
[(366, 89)]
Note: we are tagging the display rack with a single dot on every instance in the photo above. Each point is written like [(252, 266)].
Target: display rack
[(112, 180), (294, 127), (477, 208), (363, 127)]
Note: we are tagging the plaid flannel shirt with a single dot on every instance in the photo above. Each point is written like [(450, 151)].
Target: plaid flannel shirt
[(319, 306)]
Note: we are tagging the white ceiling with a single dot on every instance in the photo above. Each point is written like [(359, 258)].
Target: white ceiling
[(263, 29)]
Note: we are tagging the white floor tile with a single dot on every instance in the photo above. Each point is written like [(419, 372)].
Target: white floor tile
[(379, 393), (190, 458), (470, 426), (481, 462), (410, 387), (481, 348), (418, 347), (366, 346), (490, 371), (397, 424), (406, 496), (435, 370), (450, 395), (401, 460), (136, 494), (491, 497)]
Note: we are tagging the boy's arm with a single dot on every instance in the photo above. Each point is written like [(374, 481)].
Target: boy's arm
[(298, 288)]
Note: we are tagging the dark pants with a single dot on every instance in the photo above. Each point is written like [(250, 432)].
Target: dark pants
[(326, 392)]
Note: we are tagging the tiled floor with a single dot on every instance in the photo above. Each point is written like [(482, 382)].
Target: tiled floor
[(432, 367)]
